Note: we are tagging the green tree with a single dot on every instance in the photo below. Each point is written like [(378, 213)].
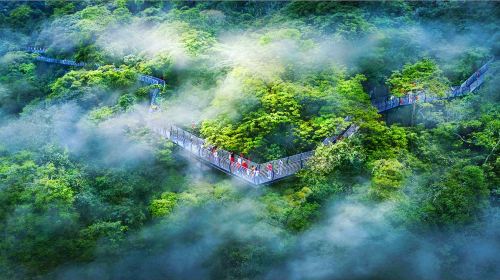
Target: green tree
[(388, 176), (164, 205), (92, 87), (423, 75), (100, 114), (380, 141), (302, 217), (101, 238), (457, 198), (21, 16), (38, 230), (20, 84)]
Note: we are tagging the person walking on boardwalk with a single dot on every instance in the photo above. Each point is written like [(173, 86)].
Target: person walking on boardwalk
[(249, 169), (256, 174), (211, 153), (280, 167), (238, 165), (231, 161), (270, 172), (244, 167), (216, 156)]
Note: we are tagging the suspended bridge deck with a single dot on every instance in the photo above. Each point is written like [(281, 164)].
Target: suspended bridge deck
[(269, 172), (253, 173)]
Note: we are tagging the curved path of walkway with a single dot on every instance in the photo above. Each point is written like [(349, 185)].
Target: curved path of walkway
[(269, 172)]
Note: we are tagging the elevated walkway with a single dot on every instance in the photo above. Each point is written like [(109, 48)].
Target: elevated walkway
[(254, 173)]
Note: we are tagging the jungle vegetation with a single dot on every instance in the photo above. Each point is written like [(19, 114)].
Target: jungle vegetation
[(86, 191)]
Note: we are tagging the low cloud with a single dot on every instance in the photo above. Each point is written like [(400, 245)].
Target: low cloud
[(67, 125), (354, 241)]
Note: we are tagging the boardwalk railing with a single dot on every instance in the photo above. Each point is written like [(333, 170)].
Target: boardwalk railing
[(470, 85), (35, 50), (150, 80), (242, 168), (60, 61), (271, 171)]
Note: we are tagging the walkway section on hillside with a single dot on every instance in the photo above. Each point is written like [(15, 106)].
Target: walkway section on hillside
[(470, 85), (272, 171), (242, 168)]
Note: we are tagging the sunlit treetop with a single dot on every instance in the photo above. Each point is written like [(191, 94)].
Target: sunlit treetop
[(423, 75)]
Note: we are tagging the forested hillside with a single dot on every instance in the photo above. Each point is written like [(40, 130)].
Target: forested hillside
[(88, 191)]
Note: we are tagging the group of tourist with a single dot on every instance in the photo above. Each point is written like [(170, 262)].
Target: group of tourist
[(238, 165), (244, 167)]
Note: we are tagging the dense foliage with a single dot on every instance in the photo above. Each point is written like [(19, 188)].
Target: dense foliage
[(86, 191)]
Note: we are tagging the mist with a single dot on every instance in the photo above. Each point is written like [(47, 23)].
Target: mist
[(353, 241), (68, 126), (215, 218), (269, 53)]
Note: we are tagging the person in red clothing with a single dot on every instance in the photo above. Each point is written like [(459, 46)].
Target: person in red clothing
[(244, 166), (270, 172), (238, 164)]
